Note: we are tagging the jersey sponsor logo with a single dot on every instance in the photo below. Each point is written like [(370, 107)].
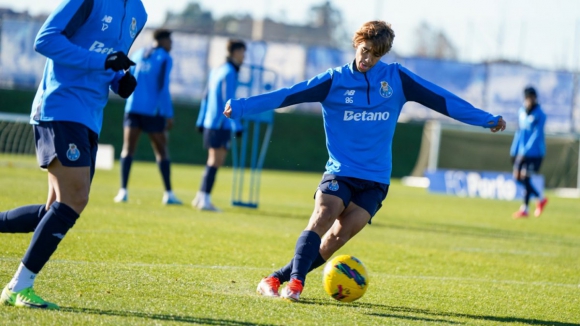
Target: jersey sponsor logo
[(133, 29), (333, 186), (349, 92), (73, 152), (386, 90), (366, 116), (107, 19), (100, 48)]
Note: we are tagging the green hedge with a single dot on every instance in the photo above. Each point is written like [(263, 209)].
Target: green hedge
[(298, 141)]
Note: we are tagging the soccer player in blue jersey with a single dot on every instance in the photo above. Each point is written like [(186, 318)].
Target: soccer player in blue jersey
[(149, 109), (216, 129), (85, 42), (528, 150), (361, 102)]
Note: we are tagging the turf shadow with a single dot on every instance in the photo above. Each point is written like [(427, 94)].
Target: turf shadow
[(431, 315), (153, 316)]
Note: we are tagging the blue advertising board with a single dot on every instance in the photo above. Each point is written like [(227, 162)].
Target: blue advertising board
[(482, 184)]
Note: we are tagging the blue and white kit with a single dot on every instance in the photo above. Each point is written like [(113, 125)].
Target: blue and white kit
[(360, 112), (76, 39)]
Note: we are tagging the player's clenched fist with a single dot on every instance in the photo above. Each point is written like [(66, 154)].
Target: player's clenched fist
[(501, 124), (118, 61), (127, 85), (228, 110)]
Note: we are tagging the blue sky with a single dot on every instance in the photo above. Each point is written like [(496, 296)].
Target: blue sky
[(545, 34)]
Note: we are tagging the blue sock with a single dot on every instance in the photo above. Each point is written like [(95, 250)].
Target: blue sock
[(125, 170), (283, 274), (530, 190), (22, 219), (208, 179), (50, 231), (307, 247), (164, 168)]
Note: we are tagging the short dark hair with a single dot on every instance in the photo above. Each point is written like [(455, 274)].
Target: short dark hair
[(530, 91), (161, 34), (235, 44)]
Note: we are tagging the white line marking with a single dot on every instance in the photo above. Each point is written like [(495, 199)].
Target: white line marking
[(386, 275), (509, 252)]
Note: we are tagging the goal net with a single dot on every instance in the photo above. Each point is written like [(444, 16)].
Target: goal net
[(449, 146), (16, 137)]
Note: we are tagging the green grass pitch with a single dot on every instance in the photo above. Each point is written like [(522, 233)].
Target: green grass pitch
[(431, 259)]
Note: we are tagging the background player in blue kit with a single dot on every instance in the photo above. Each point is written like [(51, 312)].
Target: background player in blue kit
[(85, 42), (528, 150), (149, 109), (217, 131), (361, 102)]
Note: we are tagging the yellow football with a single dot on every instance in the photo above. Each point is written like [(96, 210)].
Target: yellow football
[(345, 278)]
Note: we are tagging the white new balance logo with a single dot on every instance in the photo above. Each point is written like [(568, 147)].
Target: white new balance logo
[(366, 116), (349, 92), (107, 19)]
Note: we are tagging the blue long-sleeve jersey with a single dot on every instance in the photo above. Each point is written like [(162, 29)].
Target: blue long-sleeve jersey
[(76, 39), (151, 97), (222, 85), (529, 140), (360, 112)]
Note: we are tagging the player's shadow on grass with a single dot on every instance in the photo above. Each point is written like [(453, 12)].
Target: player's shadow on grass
[(386, 311), (163, 317)]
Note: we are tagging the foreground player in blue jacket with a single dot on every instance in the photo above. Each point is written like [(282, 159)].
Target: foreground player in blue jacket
[(361, 102), (528, 150), (149, 109), (216, 129), (85, 42)]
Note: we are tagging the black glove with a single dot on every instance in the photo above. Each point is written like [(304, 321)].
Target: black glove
[(239, 133), (118, 61), (200, 129), (127, 85)]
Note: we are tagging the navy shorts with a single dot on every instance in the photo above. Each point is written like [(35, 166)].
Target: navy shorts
[(367, 194), (72, 143), (527, 164), (147, 123), (217, 138)]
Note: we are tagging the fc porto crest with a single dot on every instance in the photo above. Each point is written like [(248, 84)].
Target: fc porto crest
[(333, 186), (133, 29), (386, 90), (73, 152)]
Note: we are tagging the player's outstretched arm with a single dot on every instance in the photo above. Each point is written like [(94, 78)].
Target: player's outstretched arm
[(436, 98), (313, 90)]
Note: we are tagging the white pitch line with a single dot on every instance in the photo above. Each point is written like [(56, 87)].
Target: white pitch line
[(476, 280), (509, 252), (386, 275)]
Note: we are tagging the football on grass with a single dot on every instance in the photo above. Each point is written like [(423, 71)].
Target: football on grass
[(345, 278)]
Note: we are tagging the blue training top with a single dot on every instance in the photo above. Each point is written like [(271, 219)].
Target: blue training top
[(76, 38), (529, 140), (222, 85), (360, 112), (151, 97)]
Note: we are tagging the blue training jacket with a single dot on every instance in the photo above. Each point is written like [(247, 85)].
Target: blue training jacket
[(529, 140), (76, 39), (222, 85), (360, 112), (151, 97)]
